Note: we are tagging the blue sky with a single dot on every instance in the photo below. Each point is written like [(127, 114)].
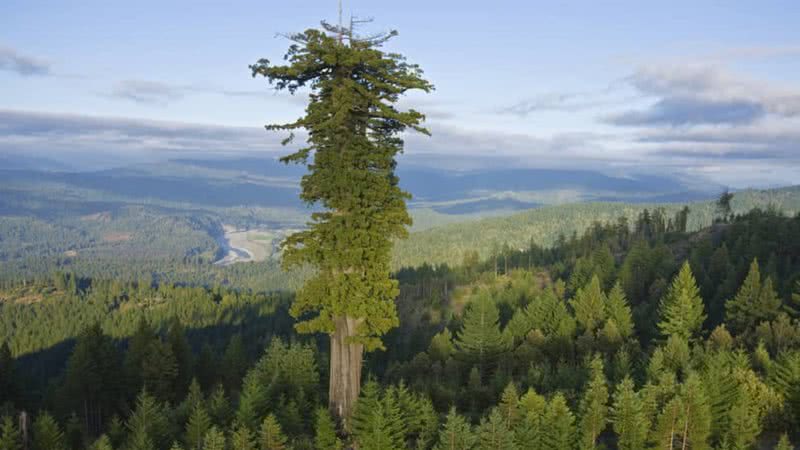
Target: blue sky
[(704, 90)]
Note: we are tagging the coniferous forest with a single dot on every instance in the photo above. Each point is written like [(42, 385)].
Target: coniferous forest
[(642, 333)]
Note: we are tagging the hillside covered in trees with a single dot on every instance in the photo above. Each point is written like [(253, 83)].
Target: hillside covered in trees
[(619, 337)]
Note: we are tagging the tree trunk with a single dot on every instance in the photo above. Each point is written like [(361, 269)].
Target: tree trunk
[(345, 373)]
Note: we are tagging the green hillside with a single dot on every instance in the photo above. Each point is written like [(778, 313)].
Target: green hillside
[(449, 243)]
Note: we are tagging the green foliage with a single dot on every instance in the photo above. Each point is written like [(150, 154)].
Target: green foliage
[(619, 313), (558, 424), (214, 439), (325, 437), (755, 302), (377, 422), (628, 417), (589, 305), (681, 308), (783, 443), (270, 435), (456, 433), (480, 341), (243, 439), (594, 406), (197, 427), (47, 435), (147, 425), (102, 443), (352, 125), (10, 438), (494, 433)]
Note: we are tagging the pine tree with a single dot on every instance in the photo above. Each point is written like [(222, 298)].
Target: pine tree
[(682, 308), (783, 443), (695, 422), (755, 302), (494, 433), (243, 439), (589, 305), (182, 351), (628, 417), (270, 436), (46, 433), (456, 433), (219, 407), (147, 425), (196, 428), (102, 443), (352, 125), (9, 434), (529, 433), (559, 425), (594, 406), (383, 426), (367, 404), (509, 405), (214, 439), (480, 341), (325, 432), (159, 370), (667, 431), (235, 362), (619, 313), (252, 401), (138, 348), (744, 422)]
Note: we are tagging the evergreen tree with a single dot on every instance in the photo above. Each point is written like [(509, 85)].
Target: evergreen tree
[(219, 407), (252, 401), (494, 433), (667, 431), (102, 443), (243, 439), (139, 346), (214, 439), (695, 422), (480, 341), (594, 406), (235, 362), (147, 425), (529, 433), (456, 433), (352, 126), (46, 433), (509, 405), (753, 303), (589, 305), (196, 428), (182, 351), (628, 417), (9, 434), (783, 443), (619, 313), (682, 308), (91, 382), (325, 432), (383, 426), (159, 370), (270, 436), (558, 424), (367, 404)]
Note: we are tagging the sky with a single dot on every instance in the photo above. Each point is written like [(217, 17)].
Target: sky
[(704, 90)]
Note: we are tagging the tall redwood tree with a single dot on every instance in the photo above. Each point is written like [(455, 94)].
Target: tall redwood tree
[(352, 126)]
